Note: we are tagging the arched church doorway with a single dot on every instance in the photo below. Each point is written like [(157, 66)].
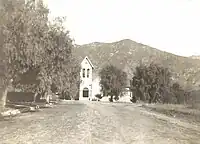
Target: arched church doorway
[(85, 92)]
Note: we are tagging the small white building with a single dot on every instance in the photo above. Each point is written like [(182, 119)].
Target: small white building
[(85, 89)]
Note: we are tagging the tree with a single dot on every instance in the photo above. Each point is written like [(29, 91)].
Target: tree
[(151, 83), (67, 80), (24, 30), (10, 16), (36, 52), (182, 96), (61, 65), (113, 80)]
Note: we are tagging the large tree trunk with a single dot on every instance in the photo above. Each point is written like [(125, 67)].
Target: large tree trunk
[(35, 96), (111, 98), (3, 98), (150, 96)]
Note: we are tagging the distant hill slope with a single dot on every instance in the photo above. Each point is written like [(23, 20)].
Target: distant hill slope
[(195, 57), (127, 54)]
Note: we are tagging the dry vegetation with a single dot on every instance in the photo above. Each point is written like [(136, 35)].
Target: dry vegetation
[(183, 112)]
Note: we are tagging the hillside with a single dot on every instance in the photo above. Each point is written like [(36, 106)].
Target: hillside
[(195, 57), (127, 54)]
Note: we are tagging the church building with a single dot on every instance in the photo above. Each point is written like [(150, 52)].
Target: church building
[(85, 89), (89, 82)]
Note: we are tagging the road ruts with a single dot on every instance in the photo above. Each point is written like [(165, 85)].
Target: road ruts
[(94, 123)]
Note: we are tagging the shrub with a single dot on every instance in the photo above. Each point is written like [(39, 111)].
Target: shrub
[(98, 96), (116, 98)]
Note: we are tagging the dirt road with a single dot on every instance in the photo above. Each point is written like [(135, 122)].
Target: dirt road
[(97, 123)]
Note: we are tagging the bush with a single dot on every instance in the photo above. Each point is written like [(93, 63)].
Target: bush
[(194, 99), (133, 99), (116, 98), (65, 96), (98, 96)]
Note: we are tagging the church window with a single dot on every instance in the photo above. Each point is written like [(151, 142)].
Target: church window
[(83, 72), (88, 73)]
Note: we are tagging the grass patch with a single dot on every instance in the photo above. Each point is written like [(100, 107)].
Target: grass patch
[(178, 111)]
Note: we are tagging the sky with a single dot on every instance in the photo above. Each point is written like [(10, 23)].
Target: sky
[(168, 25)]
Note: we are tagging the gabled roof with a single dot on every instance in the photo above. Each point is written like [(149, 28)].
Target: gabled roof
[(89, 62)]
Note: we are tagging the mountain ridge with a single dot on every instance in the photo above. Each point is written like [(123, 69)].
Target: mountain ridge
[(127, 54), (98, 43)]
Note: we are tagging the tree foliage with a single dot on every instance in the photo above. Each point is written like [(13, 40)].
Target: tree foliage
[(36, 52), (151, 83), (113, 80), (181, 95)]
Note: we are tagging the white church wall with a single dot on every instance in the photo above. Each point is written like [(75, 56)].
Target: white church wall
[(86, 80)]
